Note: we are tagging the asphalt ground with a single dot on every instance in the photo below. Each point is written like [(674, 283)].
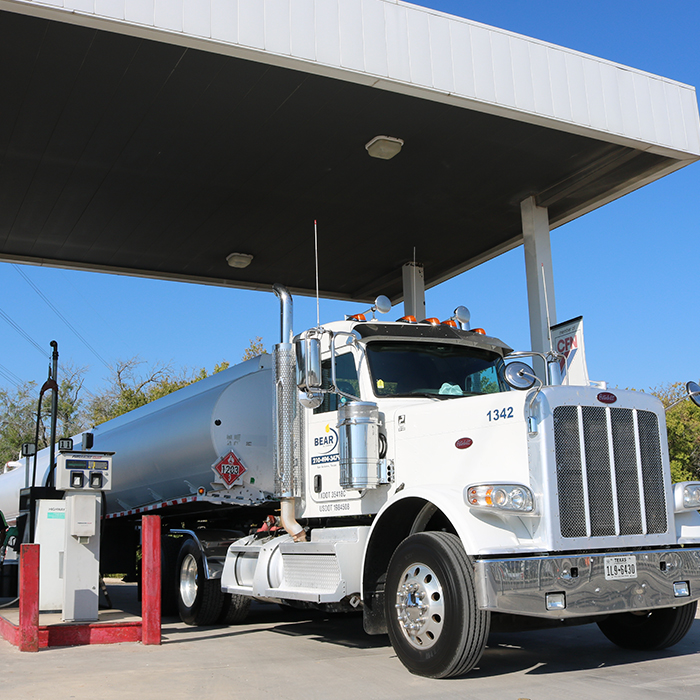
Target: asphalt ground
[(295, 655)]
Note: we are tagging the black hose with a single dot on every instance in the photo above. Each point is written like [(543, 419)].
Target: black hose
[(11, 603)]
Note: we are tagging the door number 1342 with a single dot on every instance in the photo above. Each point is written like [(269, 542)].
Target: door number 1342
[(500, 415)]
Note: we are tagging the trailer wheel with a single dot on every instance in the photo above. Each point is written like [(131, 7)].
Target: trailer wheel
[(235, 609), (434, 623), (655, 629), (200, 600)]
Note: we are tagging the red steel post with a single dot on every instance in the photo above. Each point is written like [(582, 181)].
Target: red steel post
[(150, 579), (29, 597)]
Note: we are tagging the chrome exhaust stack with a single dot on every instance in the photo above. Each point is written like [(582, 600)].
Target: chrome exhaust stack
[(287, 452)]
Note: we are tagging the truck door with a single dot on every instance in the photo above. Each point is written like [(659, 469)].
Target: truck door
[(326, 495)]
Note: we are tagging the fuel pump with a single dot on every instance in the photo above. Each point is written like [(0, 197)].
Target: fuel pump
[(84, 476)]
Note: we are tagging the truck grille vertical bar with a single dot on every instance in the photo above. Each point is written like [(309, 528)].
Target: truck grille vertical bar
[(609, 472)]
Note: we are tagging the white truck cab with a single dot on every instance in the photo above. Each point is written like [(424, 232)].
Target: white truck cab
[(439, 486)]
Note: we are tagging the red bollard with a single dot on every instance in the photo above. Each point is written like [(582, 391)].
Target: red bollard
[(150, 579), (29, 597)]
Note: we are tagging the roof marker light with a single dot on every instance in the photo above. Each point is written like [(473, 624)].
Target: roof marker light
[(450, 322), (356, 317), (480, 331), (406, 319), (431, 321)]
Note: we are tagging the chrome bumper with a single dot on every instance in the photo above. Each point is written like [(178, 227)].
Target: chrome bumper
[(522, 586)]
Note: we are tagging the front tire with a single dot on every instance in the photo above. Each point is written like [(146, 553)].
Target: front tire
[(199, 600), (649, 631), (434, 623)]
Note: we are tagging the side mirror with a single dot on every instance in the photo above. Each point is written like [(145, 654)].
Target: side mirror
[(462, 316), (519, 376), (382, 304), (693, 390), (309, 379), (308, 350)]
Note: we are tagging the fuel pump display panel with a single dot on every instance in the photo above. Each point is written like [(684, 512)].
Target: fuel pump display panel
[(84, 471), (89, 464)]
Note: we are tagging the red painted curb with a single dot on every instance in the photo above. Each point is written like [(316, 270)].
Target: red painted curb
[(75, 635)]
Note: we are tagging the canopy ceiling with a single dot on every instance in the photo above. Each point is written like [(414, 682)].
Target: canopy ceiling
[(128, 154)]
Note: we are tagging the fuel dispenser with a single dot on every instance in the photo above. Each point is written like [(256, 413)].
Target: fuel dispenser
[(84, 476)]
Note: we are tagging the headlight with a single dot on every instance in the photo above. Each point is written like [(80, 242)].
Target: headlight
[(686, 496), (514, 498)]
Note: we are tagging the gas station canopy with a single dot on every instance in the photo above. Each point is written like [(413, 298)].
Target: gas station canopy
[(155, 138)]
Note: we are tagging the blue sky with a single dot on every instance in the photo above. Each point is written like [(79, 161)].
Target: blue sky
[(627, 268)]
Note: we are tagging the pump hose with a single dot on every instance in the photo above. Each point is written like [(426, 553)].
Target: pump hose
[(10, 604)]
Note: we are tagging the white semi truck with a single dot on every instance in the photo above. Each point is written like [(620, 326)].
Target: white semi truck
[(417, 471)]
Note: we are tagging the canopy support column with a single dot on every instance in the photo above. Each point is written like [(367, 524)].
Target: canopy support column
[(413, 290), (540, 278)]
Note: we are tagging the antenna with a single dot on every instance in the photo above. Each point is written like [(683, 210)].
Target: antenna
[(318, 314)]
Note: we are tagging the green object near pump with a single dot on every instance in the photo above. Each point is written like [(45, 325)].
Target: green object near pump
[(8, 536)]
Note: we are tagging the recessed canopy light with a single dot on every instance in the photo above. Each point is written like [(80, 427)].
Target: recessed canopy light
[(239, 259), (384, 147)]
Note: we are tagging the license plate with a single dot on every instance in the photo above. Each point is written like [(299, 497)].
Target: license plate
[(619, 568)]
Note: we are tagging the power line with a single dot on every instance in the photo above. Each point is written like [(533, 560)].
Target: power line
[(10, 375), (23, 333), (62, 317)]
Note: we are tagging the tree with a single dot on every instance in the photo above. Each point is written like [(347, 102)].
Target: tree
[(254, 349), (129, 389), (683, 428), (18, 420)]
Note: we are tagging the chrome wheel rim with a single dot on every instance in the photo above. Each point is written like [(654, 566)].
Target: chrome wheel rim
[(420, 607), (188, 580)]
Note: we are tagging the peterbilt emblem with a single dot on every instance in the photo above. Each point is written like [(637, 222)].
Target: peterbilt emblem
[(606, 397), (229, 468), (463, 443)]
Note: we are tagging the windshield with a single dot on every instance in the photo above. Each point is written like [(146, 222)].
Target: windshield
[(442, 370)]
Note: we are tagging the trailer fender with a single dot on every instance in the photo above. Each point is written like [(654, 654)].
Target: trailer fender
[(213, 545)]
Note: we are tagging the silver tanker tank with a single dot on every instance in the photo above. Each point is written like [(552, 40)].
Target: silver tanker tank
[(165, 450)]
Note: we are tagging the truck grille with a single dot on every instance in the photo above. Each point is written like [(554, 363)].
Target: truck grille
[(609, 472)]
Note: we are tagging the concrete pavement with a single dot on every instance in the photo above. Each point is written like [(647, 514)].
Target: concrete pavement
[(295, 655)]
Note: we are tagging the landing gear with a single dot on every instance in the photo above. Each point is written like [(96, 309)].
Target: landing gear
[(434, 623)]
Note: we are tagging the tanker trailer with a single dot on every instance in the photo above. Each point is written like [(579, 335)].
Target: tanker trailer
[(193, 457)]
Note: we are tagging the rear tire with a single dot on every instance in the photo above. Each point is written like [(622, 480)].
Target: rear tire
[(434, 623), (655, 629), (199, 600)]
